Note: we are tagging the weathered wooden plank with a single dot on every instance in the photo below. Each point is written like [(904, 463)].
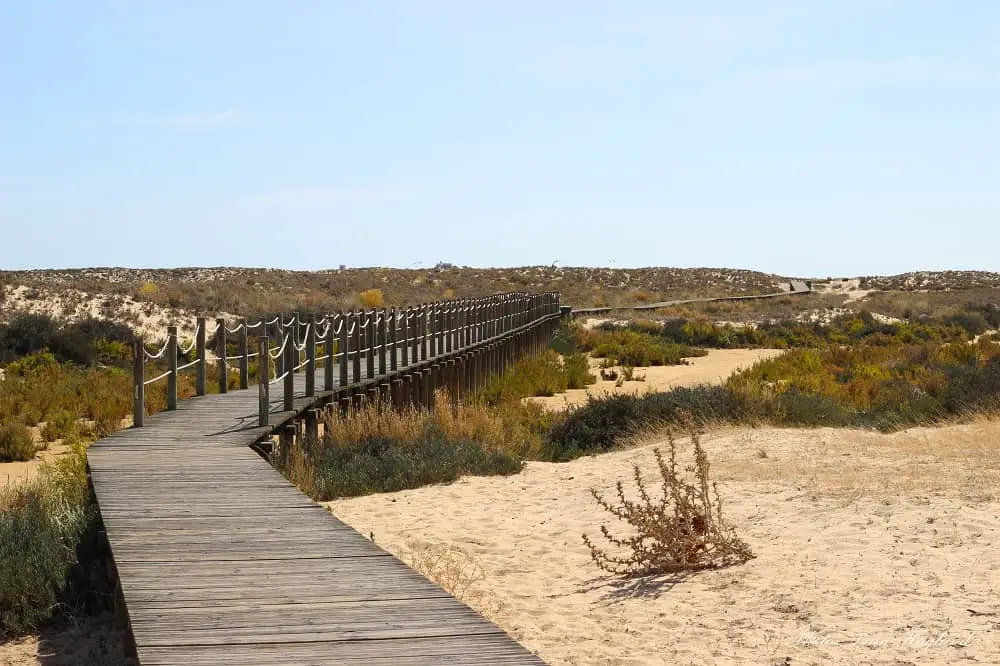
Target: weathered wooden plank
[(221, 560)]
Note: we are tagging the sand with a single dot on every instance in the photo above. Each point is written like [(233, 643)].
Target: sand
[(14, 472), (871, 549), (711, 369), (83, 641)]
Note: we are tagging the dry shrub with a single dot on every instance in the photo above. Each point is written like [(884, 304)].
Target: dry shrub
[(681, 531), (513, 428), (458, 572), (16, 443), (371, 298)]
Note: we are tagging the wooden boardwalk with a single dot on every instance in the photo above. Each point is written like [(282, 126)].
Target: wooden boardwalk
[(222, 561)]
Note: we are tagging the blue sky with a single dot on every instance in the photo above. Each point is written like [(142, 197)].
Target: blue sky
[(806, 138)]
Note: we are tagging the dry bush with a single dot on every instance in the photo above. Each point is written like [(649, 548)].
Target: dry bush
[(16, 443), (681, 531), (506, 427), (458, 572), (371, 298)]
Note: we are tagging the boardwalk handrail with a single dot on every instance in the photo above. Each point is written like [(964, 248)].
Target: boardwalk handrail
[(387, 339)]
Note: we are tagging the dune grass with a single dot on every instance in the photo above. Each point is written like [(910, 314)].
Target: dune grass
[(42, 523)]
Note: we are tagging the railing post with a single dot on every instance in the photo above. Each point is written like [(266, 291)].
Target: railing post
[(290, 355), (404, 348), (393, 341), (370, 338), (292, 329), (343, 350), (414, 333), (244, 355), (382, 340), (441, 328), (279, 334), (425, 345), (202, 361), (220, 352), (431, 330), (356, 346), (463, 315), (331, 346), (139, 379), (172, 367), (447, 329), (311, 359), (263, 378)]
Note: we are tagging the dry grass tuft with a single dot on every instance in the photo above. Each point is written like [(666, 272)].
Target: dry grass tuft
[(458, 572), (681, 531)]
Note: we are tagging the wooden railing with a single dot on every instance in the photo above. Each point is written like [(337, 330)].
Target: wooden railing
[(393, 344)]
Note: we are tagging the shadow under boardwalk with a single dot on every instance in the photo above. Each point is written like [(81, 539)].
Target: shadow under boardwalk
[(222, 561)]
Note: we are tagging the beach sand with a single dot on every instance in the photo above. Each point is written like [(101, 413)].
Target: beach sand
[(871, 549)]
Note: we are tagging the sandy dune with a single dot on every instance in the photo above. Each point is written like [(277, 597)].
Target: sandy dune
[(711, 369), (871, 549)]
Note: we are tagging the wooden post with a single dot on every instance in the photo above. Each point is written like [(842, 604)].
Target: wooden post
[(279, 335), (139, 380), (404, 339), (370, 343), (312, 425), (356, 346), (311, 359), (263, 379), (290, 355), (199, 385), (439, 329), (299, 333), (331, 339), (343, 351), (220, 352), (383, 337), (172, 367), (406, 390), (393, 353), (427, 388), (425, 345), (244, 355), (287, 435)]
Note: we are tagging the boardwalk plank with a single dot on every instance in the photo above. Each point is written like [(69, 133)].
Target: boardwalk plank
[(222, 561)]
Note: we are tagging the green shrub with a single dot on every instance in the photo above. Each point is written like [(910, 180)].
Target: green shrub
[(386, 465), (16, 443), (41, 523), (32, 365), (540, 375), (638, 349), (566, 339), (61, 424), (577, 370)]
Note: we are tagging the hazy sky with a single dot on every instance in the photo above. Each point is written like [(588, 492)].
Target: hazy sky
[(802, 137)]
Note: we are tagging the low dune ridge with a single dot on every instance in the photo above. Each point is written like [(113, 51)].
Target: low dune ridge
[(871, 549)]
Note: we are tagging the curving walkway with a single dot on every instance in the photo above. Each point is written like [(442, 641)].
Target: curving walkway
[(222, 561)]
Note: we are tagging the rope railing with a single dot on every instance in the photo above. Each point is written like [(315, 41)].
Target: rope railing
[(159, 354), (389, 344)]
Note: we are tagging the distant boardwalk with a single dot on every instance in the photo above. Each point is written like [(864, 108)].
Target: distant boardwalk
[(222, 561)]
